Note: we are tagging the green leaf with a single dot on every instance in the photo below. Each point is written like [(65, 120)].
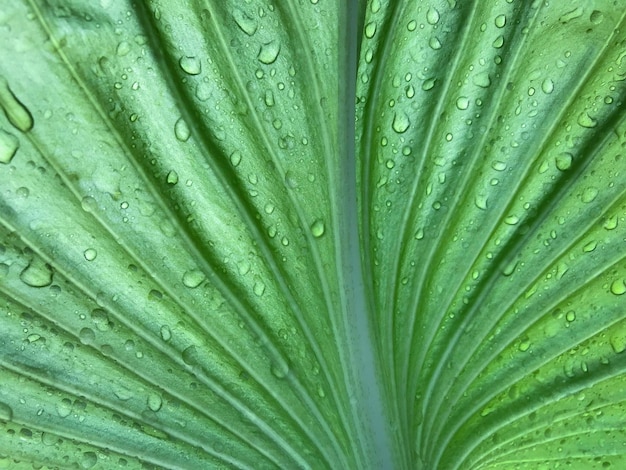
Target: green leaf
[(210, 258)]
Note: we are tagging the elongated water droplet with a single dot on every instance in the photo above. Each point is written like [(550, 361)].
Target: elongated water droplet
[(155, 402), (37, 274), (247, 24), (193, 278), (8, 146), (17, 114), (269, 52), (190, 65), (181, 130), (318, 228), (432, 16), (400, 122)]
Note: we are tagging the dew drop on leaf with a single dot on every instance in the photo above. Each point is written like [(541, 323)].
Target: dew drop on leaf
[(258, 289), (279, 368), (462, 102), (511, 220), (6, 412), (596, 17), (190, 355), (432, 16), (87, 336), (181, 130), (37, 274), (193, 278), (155, 402), (500, 21), (90, 254), (370, 29), (428, 84), (570, 316), (15, 111), (166, 333), (618, 287), (172, 177), (318, 228), (64, 408), (434, 43), (88, 460), (584, 120), (235, 158), (564, 161), (190, 65), (268, 53), (482, 79), (589, 194), (400, 122), (247, 24), (547, 86), (8, 146)]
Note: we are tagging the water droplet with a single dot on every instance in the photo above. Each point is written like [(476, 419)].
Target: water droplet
[(155, 402), (190, 356), (511, 220), (279, 368), (123, 48), (37, 274), (90, 254), (318, 228), (17, 114), (87, 336), (432, 16), (259, 288), (596, 17), (268, 53), (524, 345), (190, 65), (589, 194), (462, 102), (547, 86), (482, 79), (610, 223), (193, 278), (6, 412), (269, 98), (481, 202), (618, 287), (564, 161), (8, 146), (498, 165), (618, 342), (181, 130), (587, 121), (571, 15), (247, 24), (370, 29), (434, 43), (428, 84), (498, 42), (235, 158), (500, 21), (64, 408), (166, 333), (172, 177), (400, 122), (88, 460), (570, 316)]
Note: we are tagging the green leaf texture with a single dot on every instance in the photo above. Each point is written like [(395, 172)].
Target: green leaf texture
[(209, 258)]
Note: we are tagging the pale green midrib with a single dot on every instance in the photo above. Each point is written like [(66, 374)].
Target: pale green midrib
[(370, 411)]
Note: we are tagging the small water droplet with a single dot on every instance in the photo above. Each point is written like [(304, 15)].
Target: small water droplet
[(434, 43), (318, 228), (587, 121), (618, 287), (432, 16), (6, 412), (547, 86), (511, 220), (570, 316), (172, 177), (481, 202), (88, 460), (154, 402), (589, 194), (610, 223), (400, 122), (268, 53), (247, 24), (8, 146), (596, 17), (279, 368), (87, 336), (37, 274), (564, 161), (90, 254), (17, 114), (64, 408), (193, 278), (190, 356), (235, 158), (370, 29), (269, 98), (428, 84), (498, 165), (259, 288), (462, 102), (498, 42), (181, 130), (166, 333), (500, 21), (190, 65), (123, 48), (524, 345), (482, 79)]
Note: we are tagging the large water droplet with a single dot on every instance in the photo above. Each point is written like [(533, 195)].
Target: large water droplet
[(181, 130), (589, 194), (155, 402), (247, 24), (547, 86), (8, 146), (190, 65), (268, 53), (318, 228), (370, 29), (37, 274), (587, 121), (190, 356), (88, 460), (90, 254), (432, 16), (618, 287), (15, 111), (193, 278), (482, 79), (462, 102), (500, 21), (400, 122)]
